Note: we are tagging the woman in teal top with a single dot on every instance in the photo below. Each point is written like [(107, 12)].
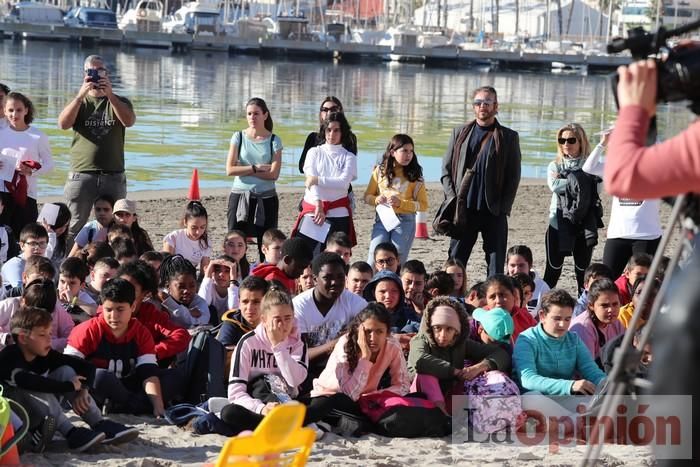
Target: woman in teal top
[(254, 160)]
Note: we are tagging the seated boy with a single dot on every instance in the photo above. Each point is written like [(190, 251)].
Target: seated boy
[(296, 256), (592, 273), (339, 242), (476, 296), (413, 278), (526, 286), (96, 230), (637, 266), (359, 275), (441, 283), (627, 311), (386, 256), (71, 280), (33, 240), (39, 378), (40, 293), (236, 323), (36, 267), (324, 312), (271, 248), (385, 287), (104, 270), (124, 250), (123, 351)]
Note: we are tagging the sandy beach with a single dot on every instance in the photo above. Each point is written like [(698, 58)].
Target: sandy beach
[(164, 445)]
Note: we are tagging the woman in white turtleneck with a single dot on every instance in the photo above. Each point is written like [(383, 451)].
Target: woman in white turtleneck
[(329, 170), (572, 151)]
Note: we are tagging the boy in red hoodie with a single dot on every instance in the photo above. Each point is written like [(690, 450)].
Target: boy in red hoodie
[(296, 256), (637, 266)]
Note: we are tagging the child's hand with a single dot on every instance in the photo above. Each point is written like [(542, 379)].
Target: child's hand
[(395, 201), (381, 199), (77, 382), (64, 295), (81, 403), (268, 407), (471, 372), (209, 271), (583, 386), (232, 267), (163, 295), (195, 312), (319, 216), (365, 351)]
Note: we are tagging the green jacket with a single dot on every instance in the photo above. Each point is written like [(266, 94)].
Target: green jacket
[(426, 357)]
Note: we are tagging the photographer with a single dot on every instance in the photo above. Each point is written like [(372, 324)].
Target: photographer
[(635, 171), (99, 119)]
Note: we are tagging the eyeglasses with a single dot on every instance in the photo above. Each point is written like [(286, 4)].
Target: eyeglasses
[(480, 102), (567, 140), (385, 261), (33, 244), (102, 69), (335, 108)]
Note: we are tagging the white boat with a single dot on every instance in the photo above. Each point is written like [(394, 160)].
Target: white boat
[(197, 17), (36, 13), (147, 15), (569, 69)]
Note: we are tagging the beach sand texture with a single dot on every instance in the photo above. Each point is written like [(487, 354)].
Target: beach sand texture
[(164, 445)]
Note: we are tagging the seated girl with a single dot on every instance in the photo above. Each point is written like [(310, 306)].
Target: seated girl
[(219, 289), (501, 292), (599, 324), (178, 285), (268, 366), (438, 351), (236, 247), (550, 360)]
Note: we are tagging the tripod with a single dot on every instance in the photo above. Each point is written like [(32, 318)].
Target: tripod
[(686, 212)]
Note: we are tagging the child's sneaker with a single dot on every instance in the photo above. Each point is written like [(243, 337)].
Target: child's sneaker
[(81, 439), (37, 440), (116, 433)]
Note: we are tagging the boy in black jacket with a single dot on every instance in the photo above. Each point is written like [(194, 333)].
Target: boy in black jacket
[(39, 378)]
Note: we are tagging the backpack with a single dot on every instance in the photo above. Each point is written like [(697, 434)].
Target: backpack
[(203, 367), (404, 416), (496, 399)]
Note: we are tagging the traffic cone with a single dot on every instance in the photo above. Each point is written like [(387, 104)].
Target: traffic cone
[(193, 194), (421, 225), (11, 457)]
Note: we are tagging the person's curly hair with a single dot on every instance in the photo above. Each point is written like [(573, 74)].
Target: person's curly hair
[(352, 349)]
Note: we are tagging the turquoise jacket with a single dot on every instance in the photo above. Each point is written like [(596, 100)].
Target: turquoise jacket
[(551, 365)]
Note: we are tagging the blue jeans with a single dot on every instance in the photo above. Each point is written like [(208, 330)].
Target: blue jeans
[(402, 236)]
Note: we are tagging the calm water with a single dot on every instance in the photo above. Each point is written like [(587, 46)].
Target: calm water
[(188, 107)]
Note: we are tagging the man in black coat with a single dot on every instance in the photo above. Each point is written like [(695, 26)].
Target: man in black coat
[(481, 169)]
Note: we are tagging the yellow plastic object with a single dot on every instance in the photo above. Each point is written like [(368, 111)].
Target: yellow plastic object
[(279, 440)]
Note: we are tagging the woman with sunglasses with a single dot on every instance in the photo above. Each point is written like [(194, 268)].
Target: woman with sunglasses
[(329, 105), (570, 232)]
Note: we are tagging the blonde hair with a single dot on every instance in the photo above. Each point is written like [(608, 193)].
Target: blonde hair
[(276, 295), (580, 133)]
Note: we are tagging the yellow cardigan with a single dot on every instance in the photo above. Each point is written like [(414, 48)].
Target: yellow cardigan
[(414, 196)]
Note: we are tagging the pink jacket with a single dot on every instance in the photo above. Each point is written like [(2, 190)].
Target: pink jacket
[(336, 377), (635, 171), (61, 325), (585, 328), (255, 356)]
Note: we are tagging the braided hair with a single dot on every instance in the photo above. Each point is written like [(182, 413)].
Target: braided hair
[(173, 266)]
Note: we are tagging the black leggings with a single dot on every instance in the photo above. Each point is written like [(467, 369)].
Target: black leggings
[(338, 224), (271, 206), (555, 258), (618, 251)]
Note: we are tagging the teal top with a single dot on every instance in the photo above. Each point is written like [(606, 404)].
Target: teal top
[(550, 365), (250, 153)]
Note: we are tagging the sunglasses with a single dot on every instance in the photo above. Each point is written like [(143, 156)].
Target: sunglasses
[(480, 102), (335, 108), (567, 140)]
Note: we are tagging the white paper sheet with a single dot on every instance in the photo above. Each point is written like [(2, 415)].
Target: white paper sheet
[(315, 231), (49, 213), (388, 217), (9, 163)]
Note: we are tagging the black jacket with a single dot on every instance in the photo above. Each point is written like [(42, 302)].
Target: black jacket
[(502, 169), (579, 211)]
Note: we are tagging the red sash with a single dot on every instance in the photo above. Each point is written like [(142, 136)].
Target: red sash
[(307, 208)]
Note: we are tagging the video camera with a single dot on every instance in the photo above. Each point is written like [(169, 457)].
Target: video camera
[(678, 75)]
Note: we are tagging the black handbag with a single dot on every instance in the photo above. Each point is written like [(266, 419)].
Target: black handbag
[(443, 223)]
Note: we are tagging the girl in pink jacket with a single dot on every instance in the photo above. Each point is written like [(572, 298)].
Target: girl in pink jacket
[(268, 365)]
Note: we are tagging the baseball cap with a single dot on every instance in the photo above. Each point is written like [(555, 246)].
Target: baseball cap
[(125, 205), (497, 323)]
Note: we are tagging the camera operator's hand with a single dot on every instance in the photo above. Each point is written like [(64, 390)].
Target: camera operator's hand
[(86, 87), (637, 85), (105, 85)]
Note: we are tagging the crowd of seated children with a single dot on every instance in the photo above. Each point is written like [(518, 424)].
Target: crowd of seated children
[(218, 289), (436, 360), (33, 241), (359, 275), (39, 293), (627, 311), (169, 338), (191, 242), (413, 278), (104, 270), (178, 293), (593, 272), (71, 284), (40, 379), (324, 312), (638, 265), (296, 254), (95, 230), (600, 323)]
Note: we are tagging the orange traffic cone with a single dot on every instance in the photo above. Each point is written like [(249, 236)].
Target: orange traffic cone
[(193, 194), (11, 457), (421, 225)]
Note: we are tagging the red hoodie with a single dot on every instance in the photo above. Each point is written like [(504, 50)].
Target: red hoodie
[(623, 287), (170, 339), (272, 272), (522, 320)]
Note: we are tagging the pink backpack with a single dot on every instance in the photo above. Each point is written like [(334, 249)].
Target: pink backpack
[(496, 399)]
